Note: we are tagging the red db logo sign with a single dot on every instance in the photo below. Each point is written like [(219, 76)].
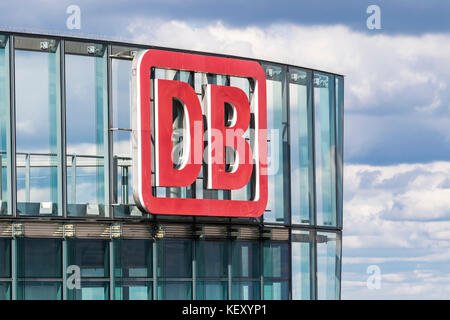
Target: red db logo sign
[(214, 123)]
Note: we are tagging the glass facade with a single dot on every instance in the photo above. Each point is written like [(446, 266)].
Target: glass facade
[(69, 226)]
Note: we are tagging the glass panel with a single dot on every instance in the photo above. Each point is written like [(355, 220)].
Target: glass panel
[(39, 290), (133, 258), (39, 258), (245, 290), (301, 147), (339, 143), (325, 148), (90, 291), (276, 210), (276, 259), (245, 259), (86, 133), (301, 265), (38, 139), (5, 258), (212, 290), (5, 291), (121, 89), (92, 256), (276, 290), (133, 290), (174, 258), (175, 290), (211, 257), (328, 265), (5, 127)]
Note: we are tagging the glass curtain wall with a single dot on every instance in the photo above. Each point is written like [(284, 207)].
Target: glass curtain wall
[(174, 269), (91, 256), (302, 258), (5, 128), (211, 258), (276, 270), (5, 269), (328, 265), (301, 147), (339, 145), (325, 149), (122, 170), (246, 268), (38, 126), (39, 269), (277, 210), (133, 269), (86, 129)]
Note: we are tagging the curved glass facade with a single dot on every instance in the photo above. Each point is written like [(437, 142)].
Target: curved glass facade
[(69, 226)]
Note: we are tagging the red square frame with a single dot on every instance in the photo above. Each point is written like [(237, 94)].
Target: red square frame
[(142, 66)]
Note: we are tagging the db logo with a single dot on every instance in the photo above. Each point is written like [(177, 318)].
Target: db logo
[(214, 124)]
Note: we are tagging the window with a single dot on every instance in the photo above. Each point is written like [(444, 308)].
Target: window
[(276, 209), (86, 129), (132, 269), (39, 269), (276, 270), (245, 270), (325, 149), (92, 257), (174, 269), (122, 159), (328, 265), (212, 269), (5, 127), (5, 258), (339, 143), (39, 258), (302, 259), (300, 127), (38, 126)]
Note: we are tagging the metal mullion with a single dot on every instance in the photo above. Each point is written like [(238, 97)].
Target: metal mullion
[(63, 151), (110, 199), (313, 264), (313, 149), (12, 147)]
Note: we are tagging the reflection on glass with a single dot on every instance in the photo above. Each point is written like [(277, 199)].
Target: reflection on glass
[(174, 258), (5, 258), (301, 265), (5, 291), (325, 149), (133, 290), (339, 143), (328, 265), (39, 258), (5, 132), (277, 143), (86, 133), (211, 257), (245, 259), (174, 290), (133, 258), (38, 139), (276, 259), (90, 291), (301, 147), (122, 164), (92, 256), (276, 290), (39, 290), (245, 290), (212, 290)]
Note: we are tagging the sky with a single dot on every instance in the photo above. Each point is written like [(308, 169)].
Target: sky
[(397, 108)]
